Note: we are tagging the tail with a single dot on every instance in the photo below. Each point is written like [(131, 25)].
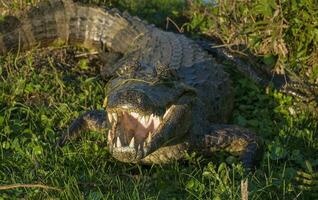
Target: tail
[(71, 23), (289, 83)]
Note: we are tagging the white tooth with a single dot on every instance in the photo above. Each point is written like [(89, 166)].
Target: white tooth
[(134, 115), (147, 120), (156, 122), (145, 144), (139, 147), (167, 112), (149, 137), (140, 120), (142, 144), (115, 116), (143, 121), (118, 143), (110, 118), (132, 143)]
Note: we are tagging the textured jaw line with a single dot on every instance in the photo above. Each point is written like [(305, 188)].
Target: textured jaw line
[(132, 133)]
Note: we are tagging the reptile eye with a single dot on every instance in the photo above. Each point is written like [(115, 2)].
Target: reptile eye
[(128, 69)]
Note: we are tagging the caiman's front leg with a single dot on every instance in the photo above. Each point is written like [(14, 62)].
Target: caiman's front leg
[(95, 120), (235, 140)]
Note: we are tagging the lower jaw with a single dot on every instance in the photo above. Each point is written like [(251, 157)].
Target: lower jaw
[(128, 155), (125, 158), (163, 155)]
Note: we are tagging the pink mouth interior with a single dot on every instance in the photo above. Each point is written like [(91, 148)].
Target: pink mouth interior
[(136, 125), (131, 125), (135, 130)]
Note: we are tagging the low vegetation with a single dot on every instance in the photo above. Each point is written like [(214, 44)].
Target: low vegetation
[(283, 34), (42, 91)]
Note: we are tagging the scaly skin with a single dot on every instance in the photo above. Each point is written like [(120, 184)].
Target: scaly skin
[(166, 95)]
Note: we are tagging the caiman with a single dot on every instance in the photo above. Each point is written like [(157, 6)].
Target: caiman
[(166, 95)]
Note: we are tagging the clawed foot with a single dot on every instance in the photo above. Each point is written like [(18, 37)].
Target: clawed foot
[(94, 120)]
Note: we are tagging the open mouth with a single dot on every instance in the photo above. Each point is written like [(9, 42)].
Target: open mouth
[(133, 132)]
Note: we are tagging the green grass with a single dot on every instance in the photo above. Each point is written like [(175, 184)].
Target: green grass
[(39, 98), (282, 33)]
